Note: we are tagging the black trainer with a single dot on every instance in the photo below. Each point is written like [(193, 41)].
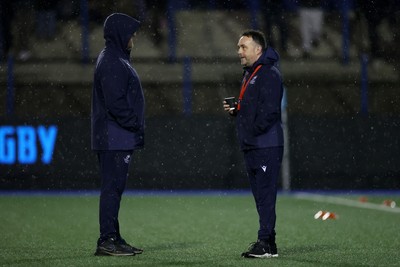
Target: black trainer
[(125, 245), (111, 247), (261, 249), (274, 249)]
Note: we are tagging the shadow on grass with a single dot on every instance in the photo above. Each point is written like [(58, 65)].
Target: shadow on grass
[(173, 246), (92, 260), (182, 263), (177, 252), (36, 261), (306, 249), (50, 257), (293, 253)]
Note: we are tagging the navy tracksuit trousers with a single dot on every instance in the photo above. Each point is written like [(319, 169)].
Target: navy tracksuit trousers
[(114, 166), (263, 166)]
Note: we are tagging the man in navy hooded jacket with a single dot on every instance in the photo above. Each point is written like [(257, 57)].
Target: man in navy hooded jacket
[(117, 126), (258, 115)]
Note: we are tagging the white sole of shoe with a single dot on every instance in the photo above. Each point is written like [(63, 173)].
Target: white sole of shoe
[(266, 255), (109, 253)]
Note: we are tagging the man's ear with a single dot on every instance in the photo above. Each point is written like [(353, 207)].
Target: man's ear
[(259, 49)]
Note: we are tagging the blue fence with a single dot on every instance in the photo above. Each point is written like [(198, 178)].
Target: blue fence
[(253, 6), (364, 85), (10, 87), (173, 7)]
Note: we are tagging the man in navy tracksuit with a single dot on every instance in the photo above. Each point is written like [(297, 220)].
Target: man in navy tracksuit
[(258, 115), (117, 126)]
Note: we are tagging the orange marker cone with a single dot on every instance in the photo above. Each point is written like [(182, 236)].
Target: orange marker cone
[(363, 199), (325, 215), (389, 203), (329, 215)]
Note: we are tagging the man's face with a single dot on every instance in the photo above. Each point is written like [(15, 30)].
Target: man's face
[(248, 51), (131, 42)]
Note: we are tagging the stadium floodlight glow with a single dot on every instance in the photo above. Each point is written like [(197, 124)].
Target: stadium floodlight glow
[(22, 144)]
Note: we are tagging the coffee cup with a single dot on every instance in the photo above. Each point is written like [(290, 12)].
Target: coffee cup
[(231, 101)]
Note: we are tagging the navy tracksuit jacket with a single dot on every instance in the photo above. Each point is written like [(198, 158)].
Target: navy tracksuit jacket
[(117, 99), (117, 117), (261, 136)]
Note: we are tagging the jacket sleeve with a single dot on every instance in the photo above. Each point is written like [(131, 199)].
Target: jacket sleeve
[(269, 101), (115, 84)]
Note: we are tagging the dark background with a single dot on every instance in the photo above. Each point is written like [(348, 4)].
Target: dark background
[(201, 152), (190, 143)]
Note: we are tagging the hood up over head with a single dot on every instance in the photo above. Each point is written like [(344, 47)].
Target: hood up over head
[(118, 29)]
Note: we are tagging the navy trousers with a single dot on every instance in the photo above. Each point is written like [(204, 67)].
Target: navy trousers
[(114, 166), (263, 166)]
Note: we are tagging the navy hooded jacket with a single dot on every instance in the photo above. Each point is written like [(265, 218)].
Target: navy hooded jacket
[(117, 97), (259, 118)]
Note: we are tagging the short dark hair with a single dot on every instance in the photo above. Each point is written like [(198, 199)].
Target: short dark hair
[(257, 36)]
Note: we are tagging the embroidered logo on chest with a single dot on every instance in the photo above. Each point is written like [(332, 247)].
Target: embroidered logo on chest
[(127, 159), (253, 80), (264, 168)]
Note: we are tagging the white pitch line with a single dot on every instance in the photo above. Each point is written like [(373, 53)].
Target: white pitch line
[(346, 202)]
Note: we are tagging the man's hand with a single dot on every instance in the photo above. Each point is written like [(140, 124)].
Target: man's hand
[(228, 109)]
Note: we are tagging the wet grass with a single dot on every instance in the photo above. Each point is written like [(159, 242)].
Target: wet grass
[(195, 230)]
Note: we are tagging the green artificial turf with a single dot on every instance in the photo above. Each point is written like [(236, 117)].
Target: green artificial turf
[(195, 230)]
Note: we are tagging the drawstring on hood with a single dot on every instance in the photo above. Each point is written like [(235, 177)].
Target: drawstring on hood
[(118, 30)]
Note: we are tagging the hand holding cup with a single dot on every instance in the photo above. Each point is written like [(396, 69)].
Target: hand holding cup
[(230, 103)]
